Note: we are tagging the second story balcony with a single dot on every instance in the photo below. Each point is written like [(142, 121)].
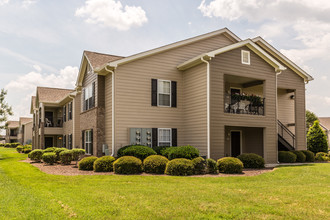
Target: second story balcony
[(244, 104)]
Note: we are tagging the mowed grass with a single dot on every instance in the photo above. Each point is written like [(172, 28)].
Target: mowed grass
[(300, 192)]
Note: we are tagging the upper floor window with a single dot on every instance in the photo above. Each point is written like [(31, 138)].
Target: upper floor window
[(64, 113), (89, 97), (163, 93), (245, 57), (70, 111)]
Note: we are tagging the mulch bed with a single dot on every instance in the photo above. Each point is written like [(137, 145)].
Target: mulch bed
[(71, 170)]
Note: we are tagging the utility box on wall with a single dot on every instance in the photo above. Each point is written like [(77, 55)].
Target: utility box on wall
[(140, 136)]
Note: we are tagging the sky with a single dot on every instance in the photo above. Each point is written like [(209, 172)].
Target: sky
[(42, 41)]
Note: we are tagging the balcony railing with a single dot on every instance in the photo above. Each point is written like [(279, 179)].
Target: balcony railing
[(50, 123), (243, 104)]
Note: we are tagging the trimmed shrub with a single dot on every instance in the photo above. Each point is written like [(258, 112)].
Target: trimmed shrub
[(155, 164), (317, 139), (321, 156), (166, 151), (286, 157), (7, 145), (309, 155), (180, 167), (49, 158), (27, 150), (57, 151), (87, 163), (14, 145), (77, 153), (160, 149), (104, 164), (138, 151), (301, 158), (211, 166), (199, 165), (230, 165), (19, 148), (66, 157), (36, 155), (49, 150), (127, 165), (251, 160), (188, 152)]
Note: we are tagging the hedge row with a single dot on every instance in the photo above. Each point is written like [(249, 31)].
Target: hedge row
[(53, 155), (10, 145), (301, 156)]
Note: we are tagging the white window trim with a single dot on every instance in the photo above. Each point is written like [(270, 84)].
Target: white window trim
[(242, 56), (158, 131), (84, 98), (162, 80), (87, 142)]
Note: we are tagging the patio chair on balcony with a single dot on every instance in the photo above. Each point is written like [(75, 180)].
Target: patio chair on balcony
[(243, 107), (48, 123)]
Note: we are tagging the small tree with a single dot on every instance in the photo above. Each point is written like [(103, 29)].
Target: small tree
[(5, 110), (317, 139), (310, 118)]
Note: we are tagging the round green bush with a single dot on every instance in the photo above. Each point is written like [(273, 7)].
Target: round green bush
[(166, 151), (230, 165), (49, 158), (155, 164), (87, 163), (14, 145), (309, 155), (27, 150), (57, 151), (251, 160), (66, 157), (199, 165), (36, 155), (49, 150), (188, 152), (321, 156), (180, 167), (301, 158), (286, 157), (138, 151), (19, 148), (211, 166), (160, 149), (104, 164), (77, 153), (127, 165)]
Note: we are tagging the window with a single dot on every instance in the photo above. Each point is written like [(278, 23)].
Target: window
[(88, 97), (70, 141), (164, 93), (70, 111), (245, 57), (64, 141), (89, 142), (64, 113), (164, 137)]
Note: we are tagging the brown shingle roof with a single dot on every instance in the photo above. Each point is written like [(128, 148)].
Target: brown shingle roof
[(99, 59), (33, 102), (46, 94), (325, 121), (13, 124), (24, 120)]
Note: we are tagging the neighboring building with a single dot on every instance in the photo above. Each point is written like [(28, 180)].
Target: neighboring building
[(2, 139), (325, 125), (53, 112), (221, 94), (25, 130), (12, 131)]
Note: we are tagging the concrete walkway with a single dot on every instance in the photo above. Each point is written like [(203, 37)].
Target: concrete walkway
[(271, 165)]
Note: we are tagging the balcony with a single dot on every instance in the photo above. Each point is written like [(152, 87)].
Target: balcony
[(245, 104)]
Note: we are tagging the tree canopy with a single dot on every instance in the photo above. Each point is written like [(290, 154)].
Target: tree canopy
[(317, 140), (5, 110), (310, 118)]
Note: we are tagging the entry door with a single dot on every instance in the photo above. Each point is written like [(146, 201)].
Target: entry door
[(48, 142), (235, 143)]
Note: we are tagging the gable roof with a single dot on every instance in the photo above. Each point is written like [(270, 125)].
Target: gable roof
[(255, 48), (13, 124), (24, 120), (33, 104), (98, 59), (52, 95), (102, 70), (325, 122), (271, 50)]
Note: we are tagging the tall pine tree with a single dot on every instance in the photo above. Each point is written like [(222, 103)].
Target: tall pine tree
[(317, 140), (5, 110)]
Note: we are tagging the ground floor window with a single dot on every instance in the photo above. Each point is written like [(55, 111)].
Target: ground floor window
[(70, 141), (89, 141), (164, 137)]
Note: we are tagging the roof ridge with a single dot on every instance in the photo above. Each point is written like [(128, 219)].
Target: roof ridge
[(45, 87), (102, 53)]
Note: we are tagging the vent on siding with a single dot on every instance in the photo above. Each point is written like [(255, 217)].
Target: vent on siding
[(246, 57)]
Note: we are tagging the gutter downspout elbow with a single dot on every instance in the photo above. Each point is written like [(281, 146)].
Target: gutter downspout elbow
[(112, 109), (208, 105)]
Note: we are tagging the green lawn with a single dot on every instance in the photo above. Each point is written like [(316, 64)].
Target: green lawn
[(301, 192)]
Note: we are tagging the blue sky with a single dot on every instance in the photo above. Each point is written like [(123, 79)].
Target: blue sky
[(41, 41)]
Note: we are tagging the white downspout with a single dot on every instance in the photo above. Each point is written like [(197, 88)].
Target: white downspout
[(208, 106), (277, 73), (73, 121), (112, 110)]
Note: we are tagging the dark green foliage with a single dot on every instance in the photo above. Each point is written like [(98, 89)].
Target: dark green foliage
[(309, 155), (77, 153), (36, 155), (27, 150), (138, 151), (104, 164), (251, 160), (199, 165), (66, 157), (317, 139), (127, 165), (160, 149), (49, 150), (188, 152), (87, 163), (286, 157), (57, 151), (211, 166), (14, 145), (49, 158), (155, 164), (166, 151), (301, 158), (180, 167), (5, 110), (230, 165), (321, 156), (19, 148), (310, 119)]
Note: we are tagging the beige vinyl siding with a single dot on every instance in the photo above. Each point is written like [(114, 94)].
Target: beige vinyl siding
[(133, 89), (108, 111), (286, 108), (89, 78), (290, 80), (195, 111), (230, 63)]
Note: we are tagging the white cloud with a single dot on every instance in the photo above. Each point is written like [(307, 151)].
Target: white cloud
[(3, 2), (111, 13), (28, 3), (21, 89), (37, 68)]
